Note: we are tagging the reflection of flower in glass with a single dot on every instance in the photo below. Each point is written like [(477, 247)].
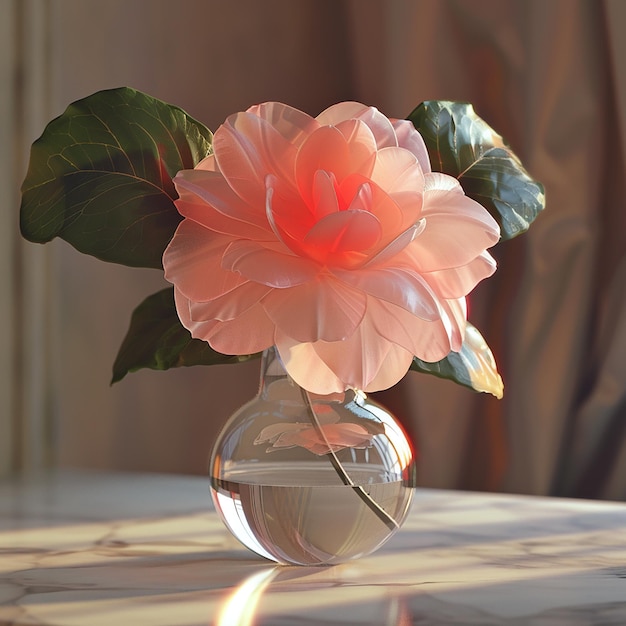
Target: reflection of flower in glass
[(330, 238), (333, 437)]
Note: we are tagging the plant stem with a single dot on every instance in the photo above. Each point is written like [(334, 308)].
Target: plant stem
[(341, 472)]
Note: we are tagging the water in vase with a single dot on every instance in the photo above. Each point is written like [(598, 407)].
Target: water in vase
[(300, 514)]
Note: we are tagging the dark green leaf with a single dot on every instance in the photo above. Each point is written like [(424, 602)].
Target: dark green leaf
[(473, 366), (100, 176), (463, 145), (156, 340)]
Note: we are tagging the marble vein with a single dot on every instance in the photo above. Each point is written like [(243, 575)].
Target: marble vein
[(91, 549)]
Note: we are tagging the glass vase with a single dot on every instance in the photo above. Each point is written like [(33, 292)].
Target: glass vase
[(312, 480)]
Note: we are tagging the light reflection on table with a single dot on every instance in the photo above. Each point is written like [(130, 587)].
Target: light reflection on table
[(147, 549)]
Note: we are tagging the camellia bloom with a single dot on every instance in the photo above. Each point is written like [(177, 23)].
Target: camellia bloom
[(330, 238)]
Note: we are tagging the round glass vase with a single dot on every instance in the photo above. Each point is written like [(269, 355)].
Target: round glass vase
[(311, 480)]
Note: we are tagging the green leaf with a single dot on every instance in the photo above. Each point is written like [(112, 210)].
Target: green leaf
[(473, 366), (463, 145), (157, 340), (100, 176)]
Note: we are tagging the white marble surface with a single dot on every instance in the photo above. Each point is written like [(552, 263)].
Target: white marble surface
[(136, 549)]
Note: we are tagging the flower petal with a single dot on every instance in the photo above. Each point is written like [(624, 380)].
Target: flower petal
[(409, 138), (192, 262), (394, 247), (237, 337), (339, 112), (268, 264), (294, 125), (364, 361), (398, 173), (361, 142), (457, 282), (208, 164), (401, 287), (247, 149), (393, 218), (288, 216), (305, 366), (327, 149), (207, 198), (438, 182), (429, 340), (325, 199), (324, 309), (378, 123), (335, 236), (229, 306), (391, 369), (233, 336), (457, 315), (457, 230)]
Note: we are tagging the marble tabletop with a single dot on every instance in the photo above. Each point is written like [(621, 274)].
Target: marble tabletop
[(147, 549)]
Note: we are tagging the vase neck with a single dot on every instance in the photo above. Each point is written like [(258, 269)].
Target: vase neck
[(271, 364), (274, 376)]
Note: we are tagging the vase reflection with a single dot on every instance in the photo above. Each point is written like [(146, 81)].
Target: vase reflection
[(281, 595), (239, 609)]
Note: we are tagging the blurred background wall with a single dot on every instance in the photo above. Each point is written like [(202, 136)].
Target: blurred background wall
[(549, 75)]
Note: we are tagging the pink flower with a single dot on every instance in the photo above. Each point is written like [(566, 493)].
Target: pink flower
[(330, 238)]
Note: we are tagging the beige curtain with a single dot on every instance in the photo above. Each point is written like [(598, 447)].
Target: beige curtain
[(548, 74)]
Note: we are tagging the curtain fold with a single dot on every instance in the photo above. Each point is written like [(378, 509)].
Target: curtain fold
[(541, 73)]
